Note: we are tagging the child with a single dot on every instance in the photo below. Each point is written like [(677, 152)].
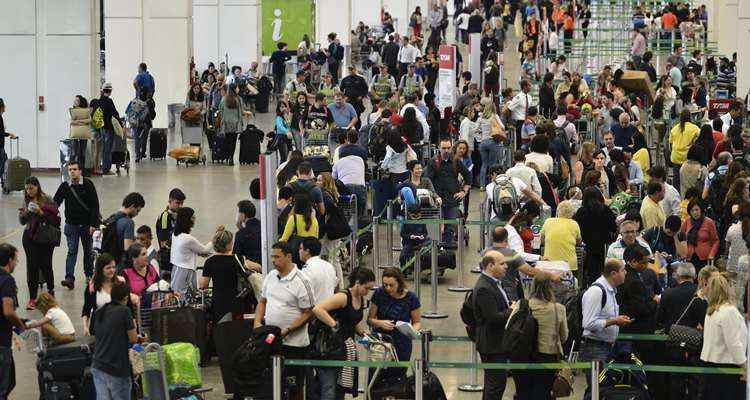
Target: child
[(413, 236), (145, 238), (56, 325)]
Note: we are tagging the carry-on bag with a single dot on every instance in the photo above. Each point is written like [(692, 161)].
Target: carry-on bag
[(67, 361), (179, 324), (17, 169), (157, 144), (250, 140)]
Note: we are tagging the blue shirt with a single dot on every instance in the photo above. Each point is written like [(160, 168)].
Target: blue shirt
[(342, 116), (635, 173), (595, 317), (144, 80), (392, 309)]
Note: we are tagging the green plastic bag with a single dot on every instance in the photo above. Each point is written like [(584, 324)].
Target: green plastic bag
[(183, 364)]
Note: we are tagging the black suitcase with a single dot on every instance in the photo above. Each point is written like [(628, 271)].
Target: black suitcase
[(66, 362), (80, 389), (157, 144), (250, 145), (179, 324), (217, 149), (228, 337)]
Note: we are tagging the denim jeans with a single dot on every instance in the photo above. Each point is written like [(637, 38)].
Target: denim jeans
[(141, 141), (74, 234), (449, 212), (361, 192), (594, 351), (7, 372), (408, 195), (110, 387), (328, 386), (107, 141)]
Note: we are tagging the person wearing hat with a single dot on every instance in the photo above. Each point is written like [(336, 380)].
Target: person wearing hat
[(355, 88), (3, 135), (108, 133)]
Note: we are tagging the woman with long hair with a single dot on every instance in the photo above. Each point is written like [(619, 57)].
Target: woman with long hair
[(693, 173), (668, 95), (185, 252), (233, 113), (300, 224), (491, 140), (706, 142), (288, 169), (331, 195), (410, 128), (738, 194), (598, 229), (98, 290), (737, 240), (724, 341), (343, 313), (585, 161), (415, 22), (681, 137), (38, 213), (299, 116)]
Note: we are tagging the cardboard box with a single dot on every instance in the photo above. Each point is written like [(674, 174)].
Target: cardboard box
[(638, 81)]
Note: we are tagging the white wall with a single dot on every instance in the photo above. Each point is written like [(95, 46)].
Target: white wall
[(743, 49), (726, 22), (49, 46), (332, 16), (157, 32), (226, 27), (367, 11)]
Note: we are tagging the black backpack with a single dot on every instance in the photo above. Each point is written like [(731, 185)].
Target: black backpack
[(336, 226), (111, 242), (468, 316), (574, 311), (251, 363), (717, 194), (376, 140), (520, 337)]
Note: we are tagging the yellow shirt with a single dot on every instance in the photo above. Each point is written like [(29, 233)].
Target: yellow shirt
[(299, 226), (560, 238), (644, 160), (681, 140), (683, 210), (652, 214)]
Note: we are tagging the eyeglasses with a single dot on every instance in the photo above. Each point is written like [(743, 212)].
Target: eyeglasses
[(629, 232)]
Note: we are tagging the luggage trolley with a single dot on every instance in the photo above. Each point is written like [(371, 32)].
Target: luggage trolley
[(316, 150), (190, 136), (155, 384)]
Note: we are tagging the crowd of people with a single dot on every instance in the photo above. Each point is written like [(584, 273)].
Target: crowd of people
[(651, 241)]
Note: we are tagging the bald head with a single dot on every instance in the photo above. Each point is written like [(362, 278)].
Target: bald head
[(493, 264)]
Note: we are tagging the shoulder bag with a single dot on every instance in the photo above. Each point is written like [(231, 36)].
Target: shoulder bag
[(685, 337), (244, 288), (562, 386)]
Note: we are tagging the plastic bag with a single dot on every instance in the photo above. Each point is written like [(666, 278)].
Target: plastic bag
[(183, 364)]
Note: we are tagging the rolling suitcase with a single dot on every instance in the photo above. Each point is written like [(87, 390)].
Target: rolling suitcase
[(66, 362), (157, 144), (250, 145), (17, 169), (179, 324), (228, 337)]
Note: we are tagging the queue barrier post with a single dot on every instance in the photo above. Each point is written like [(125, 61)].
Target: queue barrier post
[(594, 380), (376, 248), (473, 385), (418, 274), (434, 313), (276, 365), (389, 233), (419, 379), (482, 226), (460, 260)]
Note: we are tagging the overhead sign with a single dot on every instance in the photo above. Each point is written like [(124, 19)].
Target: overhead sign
[(286, 21)]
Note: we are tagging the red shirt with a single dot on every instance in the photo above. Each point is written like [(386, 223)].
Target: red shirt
[(668, 21)]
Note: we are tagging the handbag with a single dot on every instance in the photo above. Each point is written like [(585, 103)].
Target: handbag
[(336, 225), (117, 127), (685, 337), (47, 235), (244, 288), (562, 386)]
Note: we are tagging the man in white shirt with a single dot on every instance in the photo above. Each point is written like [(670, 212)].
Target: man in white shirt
[(628, 236), (609, 145), (407, 55), (735, 109), (524, 173), (323, 277), (411, 102), (296, 86), (350, 170), (671, 202), (519, 107), (286, 301), (562, 122)]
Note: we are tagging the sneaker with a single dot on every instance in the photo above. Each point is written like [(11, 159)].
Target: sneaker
[(68, 284), (31, 305)]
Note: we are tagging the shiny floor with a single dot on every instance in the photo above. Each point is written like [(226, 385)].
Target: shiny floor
[(213, 191)]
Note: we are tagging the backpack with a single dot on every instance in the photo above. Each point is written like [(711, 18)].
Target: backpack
[(336, 226), (306, 188), (520, 337), (97, 119), (111, 242), (376, 140), (560, 132), (339, 53), (415, 136), (137, 113), (574, 311), (505, 201), (468, 316), (251, 363)]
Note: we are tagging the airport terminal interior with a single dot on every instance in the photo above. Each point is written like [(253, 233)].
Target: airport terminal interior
[(545, 125)]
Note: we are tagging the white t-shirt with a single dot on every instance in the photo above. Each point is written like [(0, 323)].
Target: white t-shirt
[(322, 276), (60, 321), (285, 299), (186, 249)]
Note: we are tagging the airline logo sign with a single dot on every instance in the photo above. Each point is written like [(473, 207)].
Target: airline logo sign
[(447, 57)]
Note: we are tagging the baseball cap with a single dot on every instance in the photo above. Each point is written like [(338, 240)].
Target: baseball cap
[(107, 86)]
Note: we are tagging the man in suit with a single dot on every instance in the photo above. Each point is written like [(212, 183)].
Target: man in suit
[(492, 309), (679, 305)]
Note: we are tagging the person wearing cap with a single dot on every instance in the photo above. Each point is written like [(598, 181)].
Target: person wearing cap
[(382, 85), (144, 81), (108, 134), (355, 88), (293, 88), (3, 135)]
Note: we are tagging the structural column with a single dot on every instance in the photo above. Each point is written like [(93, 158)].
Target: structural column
[(743, 48), (226, 30), (157, 32)]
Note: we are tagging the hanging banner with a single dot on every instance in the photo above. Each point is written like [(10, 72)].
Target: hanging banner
[(286, 21), (447, 77)]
